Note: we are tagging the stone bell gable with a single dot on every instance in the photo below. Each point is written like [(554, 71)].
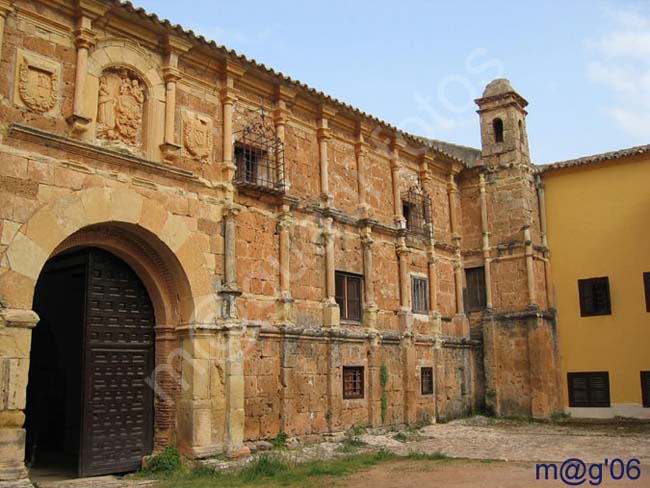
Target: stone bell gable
[(309, 267)]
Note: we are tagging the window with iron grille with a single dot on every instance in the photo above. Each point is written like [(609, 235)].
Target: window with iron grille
[(352, 382), (588, 389), (259, 159), (416, 210), (348, 295), (646, 290), (475, 293), (426, 381), (594, 297), (645, 388), (419, 294)]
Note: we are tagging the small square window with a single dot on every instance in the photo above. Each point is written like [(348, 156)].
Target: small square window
[(594, 297), (419, 294), (348, 295), (645, 388), (646, 289), (426, 381), (352, 382), (588, 389)]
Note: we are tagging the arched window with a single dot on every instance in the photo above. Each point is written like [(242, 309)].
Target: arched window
[(497, 124)]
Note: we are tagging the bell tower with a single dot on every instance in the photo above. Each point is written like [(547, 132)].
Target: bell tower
[(521, 360), (503, 124)]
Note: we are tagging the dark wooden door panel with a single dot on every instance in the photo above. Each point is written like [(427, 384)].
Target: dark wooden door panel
[(118, 357)]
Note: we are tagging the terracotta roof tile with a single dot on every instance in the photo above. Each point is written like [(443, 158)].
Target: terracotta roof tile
[(596, 158)]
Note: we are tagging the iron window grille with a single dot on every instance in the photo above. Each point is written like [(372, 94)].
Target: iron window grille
[(259, 158), (348, 295), (419, 292), (416, 209), (594, 297), (589, 389), (426, 381), (353, 382)]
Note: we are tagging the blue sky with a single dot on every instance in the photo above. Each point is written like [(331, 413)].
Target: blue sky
[(584, 66)]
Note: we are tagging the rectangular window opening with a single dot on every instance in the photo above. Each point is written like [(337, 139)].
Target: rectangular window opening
[(353, 387), (594, 297), (475, 293), (645, 388), (590, 389), (419, 294), (426, 381), (348, 295)]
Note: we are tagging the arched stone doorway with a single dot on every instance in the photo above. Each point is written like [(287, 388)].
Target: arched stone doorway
[(90, 396)]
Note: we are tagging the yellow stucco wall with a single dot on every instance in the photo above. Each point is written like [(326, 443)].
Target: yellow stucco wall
[(599, 225)]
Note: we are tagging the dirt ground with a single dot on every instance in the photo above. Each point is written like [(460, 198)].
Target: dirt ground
[(466, 474)]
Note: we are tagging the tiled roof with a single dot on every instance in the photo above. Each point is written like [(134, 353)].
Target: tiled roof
[(437, 146), (596, 158)]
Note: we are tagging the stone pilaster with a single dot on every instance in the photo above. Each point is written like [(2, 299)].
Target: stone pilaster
[(331, 312), (486, 242), (234, 390), (173, 48), (394, 168), (324, 135), (452, 195), (530, 270), (15, 344), (405, 314), (370, 308), (334, 385), (285, 309), (283, 96), (374, 384), (541, 199), (409, 379), (6, 7), (361, 153), (231, 72)]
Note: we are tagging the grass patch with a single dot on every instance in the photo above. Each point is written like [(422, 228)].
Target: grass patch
[(435, 456), (280, 442), (272, 470), (167, 461)]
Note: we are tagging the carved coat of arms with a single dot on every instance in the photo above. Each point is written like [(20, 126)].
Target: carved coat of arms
[(38, 82), (197, 136), (120, 107)]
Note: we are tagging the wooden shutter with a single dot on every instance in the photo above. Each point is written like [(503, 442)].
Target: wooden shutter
[(353, 298), (475, 294), (646, 289), (594, 297), (340, 293), (645, 388), (589, 389)]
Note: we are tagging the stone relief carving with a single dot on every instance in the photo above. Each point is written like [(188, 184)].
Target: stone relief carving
[(197, 136), (37, 82), (120, 107)]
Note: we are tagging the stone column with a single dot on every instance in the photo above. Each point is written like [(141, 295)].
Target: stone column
[(530, 270), (15, 344), (369, 307), (234, 390), (405, 314), (173, 48), (361, 153), (334, 385), (394, 168), (435, 318), (331, 312), (285, 312), (486, 242), (324, 135)]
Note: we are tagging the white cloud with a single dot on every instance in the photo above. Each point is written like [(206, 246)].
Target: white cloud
[(622, 64)]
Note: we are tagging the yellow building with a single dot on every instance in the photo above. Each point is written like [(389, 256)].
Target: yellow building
[(599, 234)]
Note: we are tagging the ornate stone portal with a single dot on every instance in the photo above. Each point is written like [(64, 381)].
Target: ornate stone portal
[(120, 107)]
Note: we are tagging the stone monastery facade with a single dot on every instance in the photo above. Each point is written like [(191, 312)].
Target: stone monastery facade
[(199, 251)]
